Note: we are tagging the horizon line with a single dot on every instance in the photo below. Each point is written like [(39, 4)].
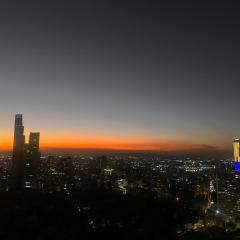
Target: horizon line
[(126, 149)]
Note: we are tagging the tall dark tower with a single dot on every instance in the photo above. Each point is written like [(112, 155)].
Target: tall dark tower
[(18, 153), (32, 158)]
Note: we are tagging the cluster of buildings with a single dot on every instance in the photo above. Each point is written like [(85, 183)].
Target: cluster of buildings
[(26, 157), (191, 181)]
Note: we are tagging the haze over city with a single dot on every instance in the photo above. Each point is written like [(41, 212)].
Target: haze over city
[(123, 75)]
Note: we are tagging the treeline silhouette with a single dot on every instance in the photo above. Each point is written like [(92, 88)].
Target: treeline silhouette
[(95, 214), (85, 215)]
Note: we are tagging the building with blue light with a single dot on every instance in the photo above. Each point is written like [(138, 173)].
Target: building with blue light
[(236, 153)]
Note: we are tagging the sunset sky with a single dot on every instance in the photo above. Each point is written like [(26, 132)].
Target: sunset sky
[(133, 75)]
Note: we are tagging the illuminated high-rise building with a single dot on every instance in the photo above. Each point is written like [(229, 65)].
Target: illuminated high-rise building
[(18, 153), (236, 150), (236, 154)]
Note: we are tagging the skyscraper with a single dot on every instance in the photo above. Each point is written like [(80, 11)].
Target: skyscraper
[(236, 153), (32, 158), (26, 157), (18, 152), (236, 150)]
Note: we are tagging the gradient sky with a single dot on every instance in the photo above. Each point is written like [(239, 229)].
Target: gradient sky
[(121, 74)]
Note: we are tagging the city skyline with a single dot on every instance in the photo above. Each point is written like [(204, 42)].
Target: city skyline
[(119, 119), (135, 76)]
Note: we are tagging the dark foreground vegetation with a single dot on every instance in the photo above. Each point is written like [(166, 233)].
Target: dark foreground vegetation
[(85, 215), (93, 215)]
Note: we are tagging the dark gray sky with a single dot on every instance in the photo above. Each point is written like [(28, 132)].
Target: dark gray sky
[(139, 73)]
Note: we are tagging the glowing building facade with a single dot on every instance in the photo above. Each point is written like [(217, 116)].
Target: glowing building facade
[(236, 153)]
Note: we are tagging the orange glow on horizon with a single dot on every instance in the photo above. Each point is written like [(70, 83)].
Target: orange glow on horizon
[(104, 142)]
